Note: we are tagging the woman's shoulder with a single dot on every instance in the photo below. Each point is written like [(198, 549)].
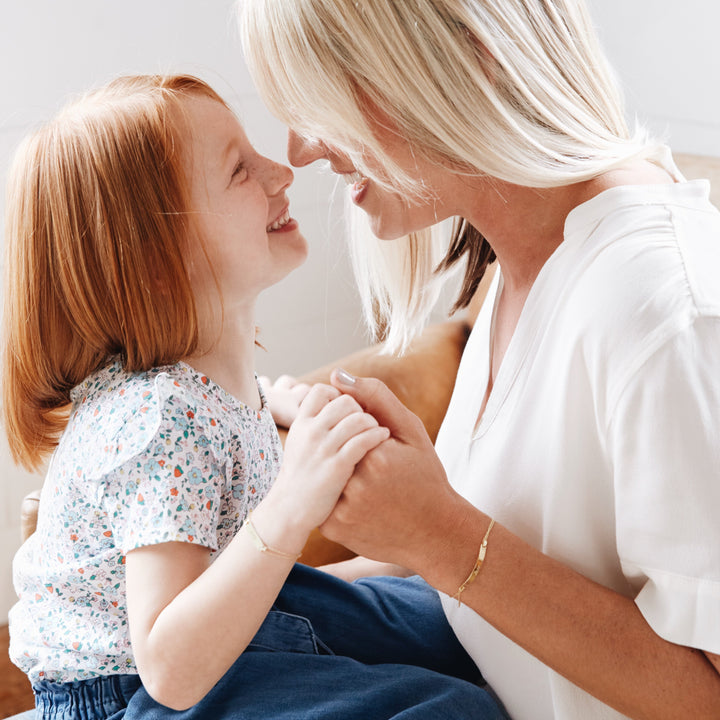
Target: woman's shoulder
[(644, 274), (650, 255)]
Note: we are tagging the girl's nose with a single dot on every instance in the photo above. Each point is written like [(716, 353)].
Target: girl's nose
[(302, 151), (276, 177)]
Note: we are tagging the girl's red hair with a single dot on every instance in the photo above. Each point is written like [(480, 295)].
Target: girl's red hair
[(96, 225)]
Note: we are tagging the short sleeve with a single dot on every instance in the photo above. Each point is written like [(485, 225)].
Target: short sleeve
[(169, 481), (666, 453)]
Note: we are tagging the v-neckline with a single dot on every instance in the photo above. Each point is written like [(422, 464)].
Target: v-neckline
[(521, 341), (489, 384)]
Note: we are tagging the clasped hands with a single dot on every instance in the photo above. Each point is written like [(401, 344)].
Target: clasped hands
[(386, 504)]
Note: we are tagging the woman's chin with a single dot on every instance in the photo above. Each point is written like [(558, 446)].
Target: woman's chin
[(388, 219), (386, 231)]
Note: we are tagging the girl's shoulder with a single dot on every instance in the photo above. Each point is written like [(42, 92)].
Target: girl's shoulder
[(179, 383), (113, 381), (114, 391)]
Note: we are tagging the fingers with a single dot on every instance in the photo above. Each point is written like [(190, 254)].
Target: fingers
[(377, 399), (299, 391), (290, 385), (285, 383), (337, 409), (356, 447), (316, 399), (332, 419), (339, 420), (347, 427)]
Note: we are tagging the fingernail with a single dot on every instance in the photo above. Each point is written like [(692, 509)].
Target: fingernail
[(344, 377)]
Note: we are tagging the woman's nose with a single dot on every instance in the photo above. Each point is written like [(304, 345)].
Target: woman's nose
[(301, 151)]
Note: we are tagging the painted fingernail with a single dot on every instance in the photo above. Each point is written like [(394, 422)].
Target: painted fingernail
[(344, 377)]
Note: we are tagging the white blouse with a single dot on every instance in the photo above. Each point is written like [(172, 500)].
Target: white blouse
[(600, 441)]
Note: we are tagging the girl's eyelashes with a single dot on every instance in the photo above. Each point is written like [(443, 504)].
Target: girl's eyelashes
[(240, 171)]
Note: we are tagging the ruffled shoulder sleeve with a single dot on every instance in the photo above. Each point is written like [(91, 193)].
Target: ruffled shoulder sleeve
[(159, 458)]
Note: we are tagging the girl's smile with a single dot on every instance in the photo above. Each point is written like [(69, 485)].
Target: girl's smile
[(282, 222)]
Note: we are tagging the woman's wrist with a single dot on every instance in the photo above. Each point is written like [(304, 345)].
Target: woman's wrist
[(451, 552)]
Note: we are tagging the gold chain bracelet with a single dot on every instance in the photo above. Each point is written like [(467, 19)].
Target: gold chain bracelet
[(260, 544)]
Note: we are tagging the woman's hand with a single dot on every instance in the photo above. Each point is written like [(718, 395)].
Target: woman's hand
[(330, 435), (396, 489), (284, 397)]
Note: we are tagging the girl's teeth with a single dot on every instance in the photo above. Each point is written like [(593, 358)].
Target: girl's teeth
[(282, 220)]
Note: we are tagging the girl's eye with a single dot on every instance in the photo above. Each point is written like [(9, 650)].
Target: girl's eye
[(239, 172)]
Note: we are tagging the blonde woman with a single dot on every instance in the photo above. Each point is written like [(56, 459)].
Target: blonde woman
[(568, 514)]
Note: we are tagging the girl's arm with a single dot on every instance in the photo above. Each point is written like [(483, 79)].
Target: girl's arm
[(190, 619), (593, 636)]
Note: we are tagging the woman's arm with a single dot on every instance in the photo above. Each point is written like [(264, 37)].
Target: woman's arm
[(190, 619), (591, 635)]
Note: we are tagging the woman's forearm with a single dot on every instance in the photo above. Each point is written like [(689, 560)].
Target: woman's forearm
[(593, 636)]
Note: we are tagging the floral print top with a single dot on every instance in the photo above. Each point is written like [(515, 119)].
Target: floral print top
[(150, 457)]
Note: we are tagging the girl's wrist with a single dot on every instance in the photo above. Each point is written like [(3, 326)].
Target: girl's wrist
[(279, 526)]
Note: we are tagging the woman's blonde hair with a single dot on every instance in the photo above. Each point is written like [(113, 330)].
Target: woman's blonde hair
[(95, 230), (517, 90)]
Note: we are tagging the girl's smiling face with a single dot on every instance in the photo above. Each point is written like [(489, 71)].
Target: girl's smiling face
[(240, 208)]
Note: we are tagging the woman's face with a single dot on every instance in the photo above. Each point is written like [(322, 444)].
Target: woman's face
[(239, 200), (392, 214)]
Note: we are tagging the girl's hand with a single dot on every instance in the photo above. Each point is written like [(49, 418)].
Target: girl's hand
[(284, 397), (330, 435)]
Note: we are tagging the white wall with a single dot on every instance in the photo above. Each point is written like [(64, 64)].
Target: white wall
[(666, 52), (668, 58)]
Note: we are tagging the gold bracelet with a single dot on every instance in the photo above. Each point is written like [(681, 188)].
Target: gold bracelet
[(260, 545), (478, 564)]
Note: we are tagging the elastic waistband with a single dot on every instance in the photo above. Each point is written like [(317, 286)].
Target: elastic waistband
[(92, 699)]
